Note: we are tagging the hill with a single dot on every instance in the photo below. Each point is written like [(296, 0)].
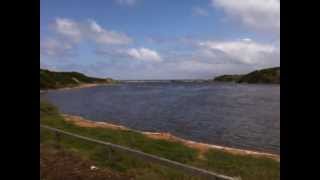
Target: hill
[(263, 76), (228, 78), (55, 80)]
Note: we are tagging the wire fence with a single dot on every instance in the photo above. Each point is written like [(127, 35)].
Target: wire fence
[(186, 169)]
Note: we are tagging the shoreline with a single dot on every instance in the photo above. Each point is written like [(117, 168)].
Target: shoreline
[(80, 86), (202, 147)]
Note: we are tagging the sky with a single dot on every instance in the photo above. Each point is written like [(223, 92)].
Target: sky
[(159, 39)]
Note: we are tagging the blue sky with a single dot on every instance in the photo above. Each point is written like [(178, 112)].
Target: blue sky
[(159, 39)]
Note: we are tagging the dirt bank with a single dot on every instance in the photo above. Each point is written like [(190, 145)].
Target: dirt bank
[(80, 86), (202, 147)]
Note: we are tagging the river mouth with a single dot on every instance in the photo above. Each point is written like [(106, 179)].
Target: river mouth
[(233, 115)]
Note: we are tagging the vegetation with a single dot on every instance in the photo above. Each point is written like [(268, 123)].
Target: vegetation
[(247, 167), (271, 75), (228, 78), (266, 76), (55, 80), (58, 163)]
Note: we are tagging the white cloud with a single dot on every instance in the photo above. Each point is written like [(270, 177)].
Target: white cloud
[(258, 14), (244, 51), (197, 11), (144, 54), (126, 2), (68, 28), (55, 48), (69, 33), (104, 36), (90, 30), (247, 40), (95, 27)]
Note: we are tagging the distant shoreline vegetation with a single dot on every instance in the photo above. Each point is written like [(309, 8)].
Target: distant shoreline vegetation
[(263, 76), (56, 80)]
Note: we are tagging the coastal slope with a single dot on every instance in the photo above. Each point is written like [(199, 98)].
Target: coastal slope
[(263, 76), (56, 80)]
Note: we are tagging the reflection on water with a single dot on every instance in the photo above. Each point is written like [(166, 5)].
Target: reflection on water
[(235, 115)]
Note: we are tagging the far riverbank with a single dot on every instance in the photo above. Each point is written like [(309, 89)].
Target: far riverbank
[(80, 86)]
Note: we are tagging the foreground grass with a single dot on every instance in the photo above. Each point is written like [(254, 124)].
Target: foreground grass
[(247, 167), (57, 164)]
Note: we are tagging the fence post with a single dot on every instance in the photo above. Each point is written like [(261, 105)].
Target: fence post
[(58, 139), (109, 154)]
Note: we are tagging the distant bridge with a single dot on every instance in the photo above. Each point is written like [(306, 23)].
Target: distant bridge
[(165, 81)]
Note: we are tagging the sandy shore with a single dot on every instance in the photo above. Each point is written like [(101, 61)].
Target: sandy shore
[(202, 147), (81, 86), (88, 85)]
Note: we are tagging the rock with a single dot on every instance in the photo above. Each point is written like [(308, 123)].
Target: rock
[(93, 167)]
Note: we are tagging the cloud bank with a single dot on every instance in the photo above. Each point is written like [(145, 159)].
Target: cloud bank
[(144, 54), (118, 55), (126, 2), (257, 14), (70, 33), (198, 11), (243, 51), (89, 30)]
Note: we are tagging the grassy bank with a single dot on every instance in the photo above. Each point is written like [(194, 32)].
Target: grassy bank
[(263, 76), (245, 166), (56, 80), (57, 164)]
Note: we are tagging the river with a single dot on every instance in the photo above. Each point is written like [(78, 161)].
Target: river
[(228, 114)]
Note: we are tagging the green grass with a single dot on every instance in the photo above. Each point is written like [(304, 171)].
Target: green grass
[(247, 167), (267, 76), (228, 78), (263, 76), (170, 150)]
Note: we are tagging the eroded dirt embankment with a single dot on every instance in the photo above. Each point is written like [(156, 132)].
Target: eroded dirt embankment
[(202, 147)]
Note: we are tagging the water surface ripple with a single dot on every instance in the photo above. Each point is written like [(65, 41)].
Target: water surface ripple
[(234, 115)]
